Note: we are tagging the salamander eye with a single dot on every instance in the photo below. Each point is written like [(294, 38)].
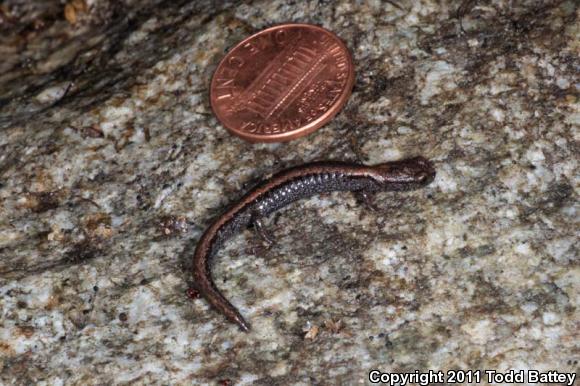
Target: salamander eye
[(423, 176)]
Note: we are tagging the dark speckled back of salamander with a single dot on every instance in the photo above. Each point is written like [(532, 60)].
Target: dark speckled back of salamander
[(325, 177), (289, 186)]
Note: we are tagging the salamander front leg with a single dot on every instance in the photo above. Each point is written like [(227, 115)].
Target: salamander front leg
[(367, 200), (260, 229)]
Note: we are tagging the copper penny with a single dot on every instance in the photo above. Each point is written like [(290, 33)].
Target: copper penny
[(282, 83)]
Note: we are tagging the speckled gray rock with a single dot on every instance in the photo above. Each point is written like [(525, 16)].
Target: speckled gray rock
[(112, 164)]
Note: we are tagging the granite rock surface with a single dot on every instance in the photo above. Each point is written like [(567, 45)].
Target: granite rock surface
[(112, 164)]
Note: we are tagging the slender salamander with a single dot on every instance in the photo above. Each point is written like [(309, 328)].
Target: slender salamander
[(288, 186)]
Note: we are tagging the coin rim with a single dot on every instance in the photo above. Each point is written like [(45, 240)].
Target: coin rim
[(303, 130)]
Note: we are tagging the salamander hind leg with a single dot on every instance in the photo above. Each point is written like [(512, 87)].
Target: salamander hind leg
[(262, 232)]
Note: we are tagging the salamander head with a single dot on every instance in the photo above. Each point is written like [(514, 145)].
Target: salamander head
[(407, 174)]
